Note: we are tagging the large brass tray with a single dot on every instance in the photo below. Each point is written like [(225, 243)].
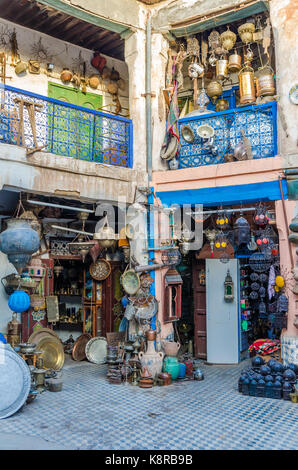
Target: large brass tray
[(42, 333), (78, 350), (52, 352)]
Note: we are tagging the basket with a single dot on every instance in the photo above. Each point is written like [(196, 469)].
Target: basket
[(114, 338)]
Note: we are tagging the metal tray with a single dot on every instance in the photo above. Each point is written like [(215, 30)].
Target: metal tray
[(52, 352), (78, 350), (96, 350), (41, 333), (15, 381)]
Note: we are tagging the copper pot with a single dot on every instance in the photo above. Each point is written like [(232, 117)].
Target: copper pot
[(246, 85), (234, 63), (66, 75), (265, 82), (151, 335)]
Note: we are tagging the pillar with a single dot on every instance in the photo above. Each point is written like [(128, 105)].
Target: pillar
[(289, 337)]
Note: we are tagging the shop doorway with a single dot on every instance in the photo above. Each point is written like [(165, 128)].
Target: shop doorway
[(248, 246)]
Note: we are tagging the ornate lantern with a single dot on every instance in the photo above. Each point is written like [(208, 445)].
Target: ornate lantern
[(19, 241), (222, 220), (229, 288), (221, 241), (242, 231)]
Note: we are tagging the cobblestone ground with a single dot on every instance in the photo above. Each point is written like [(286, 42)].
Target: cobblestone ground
[(90, 413)]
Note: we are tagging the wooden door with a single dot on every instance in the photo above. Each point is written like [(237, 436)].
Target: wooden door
[(70, 131), (112, 294), (32, 320), (199, 293)]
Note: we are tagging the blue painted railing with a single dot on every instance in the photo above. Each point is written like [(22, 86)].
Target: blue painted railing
[(67, 129), (258, 123)]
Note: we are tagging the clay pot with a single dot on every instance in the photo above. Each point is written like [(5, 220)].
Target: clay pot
[(66, 75), (114, 75), (112, 88), (94, 81), (170, 347), (151, 359), (106, 73)]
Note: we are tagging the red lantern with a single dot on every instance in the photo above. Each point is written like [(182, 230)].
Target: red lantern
[(265, 241), (259, 242)]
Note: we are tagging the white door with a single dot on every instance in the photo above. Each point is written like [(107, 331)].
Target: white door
[(222, 316)]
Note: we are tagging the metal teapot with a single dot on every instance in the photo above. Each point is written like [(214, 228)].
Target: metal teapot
[(198, 374)]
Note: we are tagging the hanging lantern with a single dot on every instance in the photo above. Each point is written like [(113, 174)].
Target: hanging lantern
[(19, 301), (228, 39), (221, 242), (242, 231), (229, 288), (58, 270), (260, 216), (246, 31), (19, 241), (246, 85), (222, 220), (106, 236), (36, 269)]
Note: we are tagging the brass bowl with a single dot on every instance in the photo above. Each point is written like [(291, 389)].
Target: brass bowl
[(52, 352)]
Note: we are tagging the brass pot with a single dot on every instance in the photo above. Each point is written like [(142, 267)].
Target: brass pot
[(222, 69), (246, 85), (246, 31), (66, 75), (228, 39), (20, 67), (234, 64), (265, 82), (214, 90)]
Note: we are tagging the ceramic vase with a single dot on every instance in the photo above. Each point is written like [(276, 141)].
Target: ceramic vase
[(172, 366), (151, 359)]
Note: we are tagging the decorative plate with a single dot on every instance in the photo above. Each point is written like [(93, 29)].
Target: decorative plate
[(15, 381), (293, 94), (96, 350), (130, 282), (129, 231), (100, 270)]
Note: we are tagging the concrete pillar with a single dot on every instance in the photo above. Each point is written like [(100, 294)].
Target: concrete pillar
[(135, 60), (289, 337)]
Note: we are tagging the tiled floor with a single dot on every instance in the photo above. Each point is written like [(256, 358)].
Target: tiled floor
[(90, 413)]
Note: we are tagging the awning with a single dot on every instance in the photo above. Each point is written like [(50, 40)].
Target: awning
[(226, 195)]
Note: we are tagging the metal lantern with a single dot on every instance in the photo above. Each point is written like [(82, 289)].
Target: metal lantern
[(19, 241), (221, 242), (222, 71), (234, 62), (242, 231), (246, 85), (222, 220), (228, 39), (229, 288), (265, 82), (246, 31)]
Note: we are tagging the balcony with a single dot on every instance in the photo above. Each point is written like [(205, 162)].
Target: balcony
[(42, 123), (258, 123)]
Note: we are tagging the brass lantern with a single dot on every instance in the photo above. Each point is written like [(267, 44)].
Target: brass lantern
[(229, 288), (246, 85)]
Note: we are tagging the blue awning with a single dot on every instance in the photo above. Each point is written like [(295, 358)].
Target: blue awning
[(226, 195)]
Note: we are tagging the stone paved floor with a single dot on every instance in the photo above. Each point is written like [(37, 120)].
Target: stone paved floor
[(90, 413)]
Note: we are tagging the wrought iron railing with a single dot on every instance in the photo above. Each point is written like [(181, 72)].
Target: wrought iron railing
[(64, 129), (258, 123)]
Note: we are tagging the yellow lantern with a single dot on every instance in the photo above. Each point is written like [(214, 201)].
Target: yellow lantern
[(279, 281), (223, 244), (276, 288), (217, 245)]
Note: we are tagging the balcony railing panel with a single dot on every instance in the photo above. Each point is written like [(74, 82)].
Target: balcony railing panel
[(258, 123), (65, 129)]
